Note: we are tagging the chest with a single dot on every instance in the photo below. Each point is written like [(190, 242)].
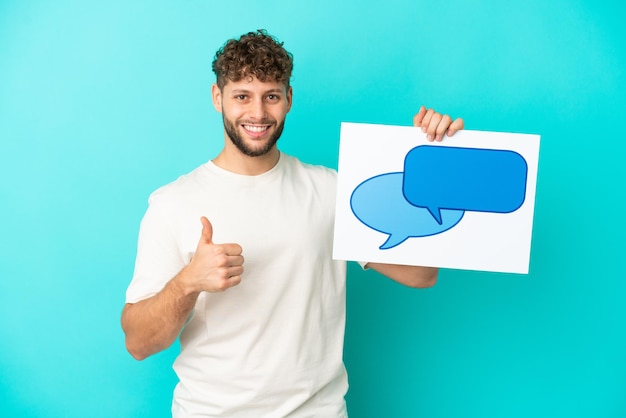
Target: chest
[(280, 219)]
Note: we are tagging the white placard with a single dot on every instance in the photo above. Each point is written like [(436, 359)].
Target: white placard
[(465, 203)]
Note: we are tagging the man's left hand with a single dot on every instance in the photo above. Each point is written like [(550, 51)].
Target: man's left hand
[(435, 125)]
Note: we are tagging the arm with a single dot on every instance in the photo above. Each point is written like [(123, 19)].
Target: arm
[(435, 125), (412, 276), (152, 325)]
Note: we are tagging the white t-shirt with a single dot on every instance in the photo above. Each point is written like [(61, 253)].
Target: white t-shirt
[(271, 346)]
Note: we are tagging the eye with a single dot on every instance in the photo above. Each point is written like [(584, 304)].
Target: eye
[(273, 97), (240, 97)]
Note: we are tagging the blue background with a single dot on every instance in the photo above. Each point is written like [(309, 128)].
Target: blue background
[(103, 101)]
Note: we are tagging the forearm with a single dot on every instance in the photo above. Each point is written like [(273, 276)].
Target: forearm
[(412, 276), (153, 324)]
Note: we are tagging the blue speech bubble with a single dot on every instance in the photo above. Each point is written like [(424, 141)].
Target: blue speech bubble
[(470, 179), (380, 204)]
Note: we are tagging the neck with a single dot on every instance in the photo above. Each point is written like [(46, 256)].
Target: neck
[(237, 162)]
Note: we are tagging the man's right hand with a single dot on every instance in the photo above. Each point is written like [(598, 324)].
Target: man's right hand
[(214, 267), (152, 324)]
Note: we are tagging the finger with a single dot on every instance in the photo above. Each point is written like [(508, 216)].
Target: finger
[(431, 130), (207, 231), (455, 126), (234, 260), (224, 284), (232, 249), (419, 116), (426, 120), (235, 271), (233, 277), (442, 127), (234, 281)]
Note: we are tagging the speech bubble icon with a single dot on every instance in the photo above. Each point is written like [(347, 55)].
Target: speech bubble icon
[(378, 202), (470, 179)]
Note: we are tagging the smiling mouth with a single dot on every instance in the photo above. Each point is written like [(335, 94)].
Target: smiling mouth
[(256, 128)]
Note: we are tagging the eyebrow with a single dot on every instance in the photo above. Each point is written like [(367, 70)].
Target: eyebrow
[(239, 91)]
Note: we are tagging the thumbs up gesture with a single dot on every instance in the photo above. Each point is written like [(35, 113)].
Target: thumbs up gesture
[(214, 267)]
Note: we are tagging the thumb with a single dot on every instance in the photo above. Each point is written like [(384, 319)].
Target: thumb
[(207, 231)]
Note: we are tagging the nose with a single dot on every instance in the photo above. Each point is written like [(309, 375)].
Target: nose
[(257, 109)]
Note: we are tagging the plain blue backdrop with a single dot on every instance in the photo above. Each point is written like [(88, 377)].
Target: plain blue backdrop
[(101, 102)]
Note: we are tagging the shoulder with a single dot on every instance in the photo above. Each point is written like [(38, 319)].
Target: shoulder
[(183, 187), (318, 172), (316, 181)]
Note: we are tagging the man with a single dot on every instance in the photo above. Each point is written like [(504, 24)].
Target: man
[(261, 337)]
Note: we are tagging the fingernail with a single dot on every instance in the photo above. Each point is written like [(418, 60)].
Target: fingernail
[(429, 138)]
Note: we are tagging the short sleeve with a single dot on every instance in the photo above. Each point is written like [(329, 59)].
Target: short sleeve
[(158, 256), (363, 264)]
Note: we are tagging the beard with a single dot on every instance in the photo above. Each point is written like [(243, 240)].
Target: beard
[(245, 148)]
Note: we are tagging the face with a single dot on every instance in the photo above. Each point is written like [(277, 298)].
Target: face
[(253, 112)]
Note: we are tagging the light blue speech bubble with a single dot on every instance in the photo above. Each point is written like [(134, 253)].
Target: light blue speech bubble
[(379, 203), (470, 179)]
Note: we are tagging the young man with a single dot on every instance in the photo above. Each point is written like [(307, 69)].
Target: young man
[(261, 337)]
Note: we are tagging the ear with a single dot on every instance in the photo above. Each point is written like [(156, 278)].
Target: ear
[(216, 95), (289, 98)]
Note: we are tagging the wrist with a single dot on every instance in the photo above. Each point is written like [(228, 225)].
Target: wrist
[(184, 285)]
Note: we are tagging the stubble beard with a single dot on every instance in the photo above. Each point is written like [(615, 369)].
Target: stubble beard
[(241, 145)]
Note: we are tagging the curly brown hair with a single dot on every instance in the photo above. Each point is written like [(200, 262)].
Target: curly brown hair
[(255, 54)]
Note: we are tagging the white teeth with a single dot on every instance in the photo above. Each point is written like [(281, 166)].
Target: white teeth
[(252, 128)]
